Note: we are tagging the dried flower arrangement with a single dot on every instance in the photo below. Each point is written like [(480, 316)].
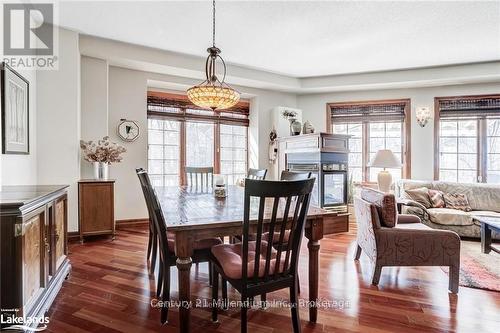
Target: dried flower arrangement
[(102, 151), (288, 114)]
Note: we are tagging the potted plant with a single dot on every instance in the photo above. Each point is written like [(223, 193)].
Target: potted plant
[(101, 154)]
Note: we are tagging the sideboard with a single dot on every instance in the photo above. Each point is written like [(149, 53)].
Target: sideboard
[(33, 251)]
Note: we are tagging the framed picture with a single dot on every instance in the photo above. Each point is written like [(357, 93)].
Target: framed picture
[(15, 111)]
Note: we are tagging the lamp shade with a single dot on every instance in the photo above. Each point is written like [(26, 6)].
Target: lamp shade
[(385, 158)]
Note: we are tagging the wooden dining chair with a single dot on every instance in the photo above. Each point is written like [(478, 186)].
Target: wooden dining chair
[(153, 238), (166, 243), (294, 175), (259, 174), (252, 266), (204, 174)]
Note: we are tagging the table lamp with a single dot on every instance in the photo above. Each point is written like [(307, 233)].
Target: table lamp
[(385, 158)]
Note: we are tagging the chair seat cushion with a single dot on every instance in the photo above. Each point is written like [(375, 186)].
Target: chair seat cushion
[(198, 245), (276, 236), (230, 259)]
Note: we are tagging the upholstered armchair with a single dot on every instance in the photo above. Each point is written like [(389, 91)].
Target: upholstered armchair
[(392, 239)]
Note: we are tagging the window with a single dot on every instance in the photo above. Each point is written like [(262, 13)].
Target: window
[(468, 139), (373, 126), (180, 135)]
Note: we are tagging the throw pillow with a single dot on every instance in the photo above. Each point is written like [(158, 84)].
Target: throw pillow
[(420, 195), (457, 201), (436, 198)]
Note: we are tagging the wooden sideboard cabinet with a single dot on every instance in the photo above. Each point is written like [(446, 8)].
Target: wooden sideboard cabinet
[(33, 248), (96, 206)]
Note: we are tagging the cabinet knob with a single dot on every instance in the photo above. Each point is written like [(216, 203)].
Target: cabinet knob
[(47, 245)]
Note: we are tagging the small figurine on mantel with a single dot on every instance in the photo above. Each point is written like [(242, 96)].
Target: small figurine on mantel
[(308, 128), (273, 146)]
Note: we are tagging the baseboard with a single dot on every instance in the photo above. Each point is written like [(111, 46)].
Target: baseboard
[(73, 236), (131, 222)]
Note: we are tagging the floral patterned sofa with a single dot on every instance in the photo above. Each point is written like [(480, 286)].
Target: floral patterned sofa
[(392, 239), (484, 199)]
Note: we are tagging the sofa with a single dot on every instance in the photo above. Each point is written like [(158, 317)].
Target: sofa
[(391, 239), (484, 199)]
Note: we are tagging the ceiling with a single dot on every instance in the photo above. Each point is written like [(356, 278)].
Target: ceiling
[(303, 38)]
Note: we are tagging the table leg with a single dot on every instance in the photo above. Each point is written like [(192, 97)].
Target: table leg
[(184, 251), (314, 232), (485, 238)]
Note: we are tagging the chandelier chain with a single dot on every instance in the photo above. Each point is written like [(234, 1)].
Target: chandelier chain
[(213, 23)]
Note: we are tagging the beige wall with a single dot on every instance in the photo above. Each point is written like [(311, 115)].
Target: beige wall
[(21, 169), (58, 122), (422, 139)]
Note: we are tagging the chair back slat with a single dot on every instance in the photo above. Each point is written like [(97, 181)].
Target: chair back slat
[(278, 194), (259, 174), (201, 175), (260, 227), (280, 244)]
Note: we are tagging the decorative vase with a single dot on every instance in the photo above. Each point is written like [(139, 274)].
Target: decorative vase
[(101, 170), (295, 127), (308, 128)]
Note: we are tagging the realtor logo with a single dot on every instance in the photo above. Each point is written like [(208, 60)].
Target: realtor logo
[(28, 29)]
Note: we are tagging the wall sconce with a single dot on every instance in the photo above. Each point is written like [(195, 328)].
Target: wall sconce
[(423, 116)]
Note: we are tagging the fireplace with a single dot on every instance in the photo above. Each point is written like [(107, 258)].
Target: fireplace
[(330, 171)]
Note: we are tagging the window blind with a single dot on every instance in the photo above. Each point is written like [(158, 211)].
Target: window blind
[(469, 107), (377, 112)]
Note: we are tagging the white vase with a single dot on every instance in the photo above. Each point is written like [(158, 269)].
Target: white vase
[(101, 170)]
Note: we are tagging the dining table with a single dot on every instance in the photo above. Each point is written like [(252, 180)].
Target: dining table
[(193, 213)]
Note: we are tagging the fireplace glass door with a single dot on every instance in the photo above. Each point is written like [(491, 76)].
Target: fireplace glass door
[(334, 188)]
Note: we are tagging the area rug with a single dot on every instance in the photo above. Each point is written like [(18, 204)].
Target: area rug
[(478, 270)]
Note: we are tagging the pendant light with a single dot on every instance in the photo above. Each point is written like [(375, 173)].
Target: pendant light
[(213, 93)]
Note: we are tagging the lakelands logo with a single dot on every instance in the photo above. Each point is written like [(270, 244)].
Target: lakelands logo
[(29, 324), (29, 36)]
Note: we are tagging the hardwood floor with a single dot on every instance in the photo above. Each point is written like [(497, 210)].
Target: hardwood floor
[(109, 290)]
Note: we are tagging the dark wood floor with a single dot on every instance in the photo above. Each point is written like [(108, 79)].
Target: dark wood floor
[(110, 290)]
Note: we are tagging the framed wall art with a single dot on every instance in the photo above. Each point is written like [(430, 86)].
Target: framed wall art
[(14, 104)]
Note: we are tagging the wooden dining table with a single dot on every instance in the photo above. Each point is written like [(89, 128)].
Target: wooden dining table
[(193, 214)]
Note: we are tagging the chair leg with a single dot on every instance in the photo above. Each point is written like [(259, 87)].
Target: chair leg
[(210, 282), (244, 310), (215, 293), (454, 278), (154, 252), (263, 299), (160, 280), (295, 308), (225, 301), (298, 284), (165, 295), (358, 253), (376, 275), (149, 243)]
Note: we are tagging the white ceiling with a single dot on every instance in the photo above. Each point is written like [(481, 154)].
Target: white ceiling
[(303, 38)]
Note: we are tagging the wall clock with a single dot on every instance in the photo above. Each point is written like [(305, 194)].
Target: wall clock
[(128, 130)]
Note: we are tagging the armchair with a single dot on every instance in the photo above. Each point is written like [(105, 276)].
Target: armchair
[(392, 239)]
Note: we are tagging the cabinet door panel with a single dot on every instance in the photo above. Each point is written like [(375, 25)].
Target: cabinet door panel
[(96, 207), (32, 249), (59, 232)]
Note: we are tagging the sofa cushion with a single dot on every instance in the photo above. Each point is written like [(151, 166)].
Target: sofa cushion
[(457, 201), (420, 195), (449, 216), (385, 203), (436, 197), (480, 196)]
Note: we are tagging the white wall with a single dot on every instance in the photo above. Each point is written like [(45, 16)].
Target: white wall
[(58, 122), (21, 169), (94, 108), (422, 139)]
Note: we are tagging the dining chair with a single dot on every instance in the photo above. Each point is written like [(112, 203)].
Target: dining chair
[(294, 175), (166, 243), (259, 174), (206, 176), (252, 266), (152, 239)]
